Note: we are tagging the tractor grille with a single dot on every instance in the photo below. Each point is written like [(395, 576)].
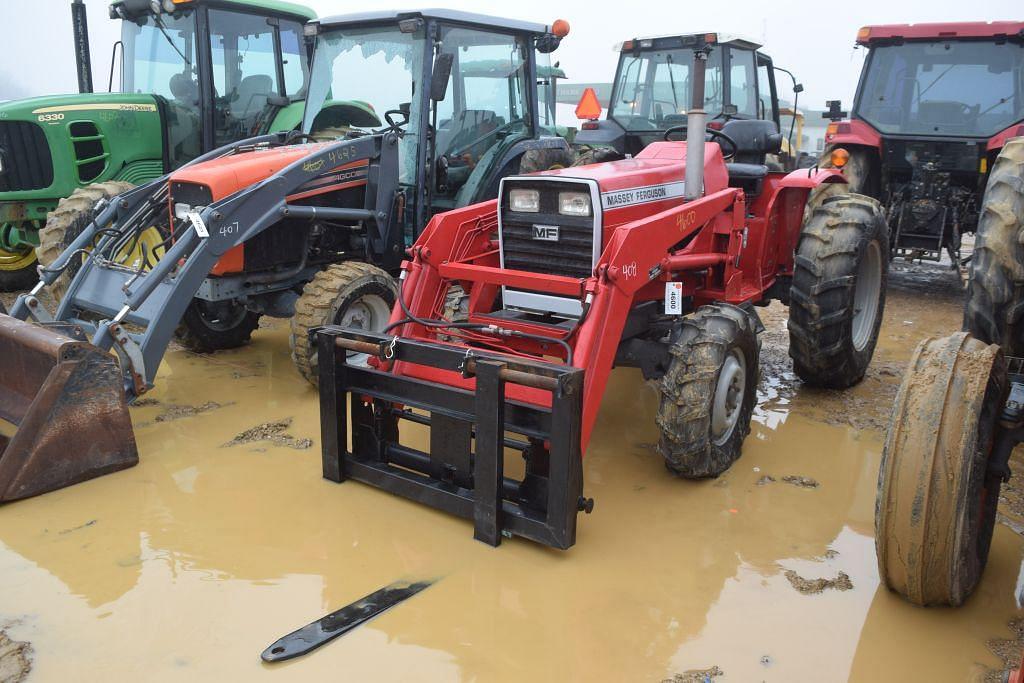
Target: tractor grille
[(571, 253), (27, 164)]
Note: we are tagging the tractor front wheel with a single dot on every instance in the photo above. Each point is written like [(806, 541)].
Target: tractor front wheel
[(72, 215), (837, 295), (18, 269), (351, 294), (995, 295), (936, 503), (708, 392), (209, 326)]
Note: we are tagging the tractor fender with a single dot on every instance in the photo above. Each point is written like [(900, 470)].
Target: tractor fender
[(999, 140), (852, 132)]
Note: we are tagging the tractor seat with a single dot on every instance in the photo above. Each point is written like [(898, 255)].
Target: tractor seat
[(755, 139)]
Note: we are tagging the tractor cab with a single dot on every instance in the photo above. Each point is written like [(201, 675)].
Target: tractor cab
[(460, 89), (231, 85), (652, 87)]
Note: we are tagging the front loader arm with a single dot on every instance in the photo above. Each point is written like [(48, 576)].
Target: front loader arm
[(157, 299)]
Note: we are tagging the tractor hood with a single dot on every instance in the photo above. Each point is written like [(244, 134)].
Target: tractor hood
[(658, 173), (228, 175), (49, 146)]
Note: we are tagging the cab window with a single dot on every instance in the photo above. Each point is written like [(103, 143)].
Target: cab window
[(742, 86), (244, 73)]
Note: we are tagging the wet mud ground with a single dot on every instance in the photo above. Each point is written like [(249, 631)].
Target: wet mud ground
[(226, 537)]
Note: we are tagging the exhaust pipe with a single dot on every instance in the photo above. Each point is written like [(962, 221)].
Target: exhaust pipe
[(65, 398), (696, 123), (80, 27)]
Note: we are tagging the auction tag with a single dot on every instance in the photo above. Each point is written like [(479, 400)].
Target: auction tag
[(673, 298), (199, 224)]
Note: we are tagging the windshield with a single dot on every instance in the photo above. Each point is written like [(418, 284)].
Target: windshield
[(653, 88), (160, 58), (943, 88), (359, 75), (160, 54)]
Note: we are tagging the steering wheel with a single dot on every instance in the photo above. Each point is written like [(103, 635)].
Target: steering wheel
[(716, 136), (396, 125)]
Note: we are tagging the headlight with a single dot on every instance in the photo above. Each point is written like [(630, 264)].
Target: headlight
[(524, 200), (181, 210), (574, 203)]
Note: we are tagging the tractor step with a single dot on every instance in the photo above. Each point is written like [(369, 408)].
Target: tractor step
[(462, 470)]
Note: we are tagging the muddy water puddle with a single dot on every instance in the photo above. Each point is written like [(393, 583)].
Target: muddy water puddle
[(193, 562)]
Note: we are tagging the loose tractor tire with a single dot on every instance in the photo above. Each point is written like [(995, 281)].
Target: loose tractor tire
[(937, 495), (995, 295), (838, 293)]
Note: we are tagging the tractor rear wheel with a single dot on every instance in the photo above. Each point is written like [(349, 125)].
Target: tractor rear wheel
[(995, 294), (209, 326), (837, 297), (936, 503), (350, 294), (72, 215), (708, 392), (18, 269)]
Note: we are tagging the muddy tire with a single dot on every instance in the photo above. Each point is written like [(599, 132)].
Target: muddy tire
[(209, 326), (857, 172), (351, 294), (995, 295), (708, 392), (936, 503), (545, 159), (72, 215), (837, 296), (18, 270)]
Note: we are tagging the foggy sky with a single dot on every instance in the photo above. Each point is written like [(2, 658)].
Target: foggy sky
[(816, 45)]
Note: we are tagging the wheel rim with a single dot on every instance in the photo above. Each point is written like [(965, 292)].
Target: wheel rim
[(221, 316), (17, 260), (370, 312), (151, 239), (728, 400), (868, 287)]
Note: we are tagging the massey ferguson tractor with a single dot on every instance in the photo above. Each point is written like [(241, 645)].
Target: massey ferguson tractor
[(934, 107), (195, 75), (273, 225), (656, 262), (959, 414)]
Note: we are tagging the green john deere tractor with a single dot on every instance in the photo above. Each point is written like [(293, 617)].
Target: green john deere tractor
[(194, 75)]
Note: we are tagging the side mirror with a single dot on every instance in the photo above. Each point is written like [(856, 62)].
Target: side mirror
[(440, 74)]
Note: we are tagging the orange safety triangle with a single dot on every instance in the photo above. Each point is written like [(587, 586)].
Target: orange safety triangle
[(589, 107)]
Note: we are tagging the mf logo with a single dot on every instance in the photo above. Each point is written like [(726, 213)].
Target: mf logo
[(547, 233)]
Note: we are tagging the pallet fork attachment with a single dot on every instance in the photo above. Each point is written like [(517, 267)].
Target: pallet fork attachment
[(463, 470)]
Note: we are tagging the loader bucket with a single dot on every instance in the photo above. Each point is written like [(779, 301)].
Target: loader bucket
[(66, 402)]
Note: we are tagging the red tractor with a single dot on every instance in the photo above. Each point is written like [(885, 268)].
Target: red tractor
[(655, 262), (935, 105)]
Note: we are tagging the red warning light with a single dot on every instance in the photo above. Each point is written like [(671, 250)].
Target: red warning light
[(589, 108)]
